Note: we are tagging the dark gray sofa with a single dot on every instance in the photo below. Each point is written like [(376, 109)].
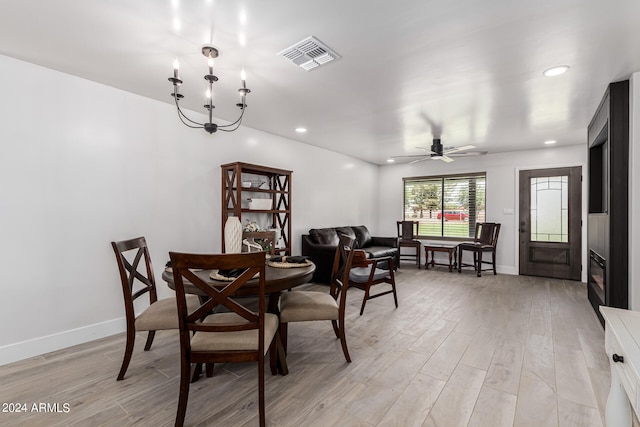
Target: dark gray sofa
[(321, 243)]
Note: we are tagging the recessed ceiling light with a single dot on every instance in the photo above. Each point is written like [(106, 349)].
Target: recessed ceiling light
[(390, 160), (549, 142), (556, 71), (301, 130)]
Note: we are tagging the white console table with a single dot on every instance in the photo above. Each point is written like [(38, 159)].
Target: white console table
[(622, 344)]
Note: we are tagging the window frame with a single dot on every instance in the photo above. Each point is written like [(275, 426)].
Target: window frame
[(443, 178)]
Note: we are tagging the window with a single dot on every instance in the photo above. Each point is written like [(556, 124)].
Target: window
[(447, 206)]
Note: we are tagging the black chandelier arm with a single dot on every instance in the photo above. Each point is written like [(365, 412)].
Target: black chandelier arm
[(181, 115), (189, 125), (229, 130), (236, 123)]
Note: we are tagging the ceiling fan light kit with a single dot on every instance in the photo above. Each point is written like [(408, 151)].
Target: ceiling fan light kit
[(210, 53), (438, 152)]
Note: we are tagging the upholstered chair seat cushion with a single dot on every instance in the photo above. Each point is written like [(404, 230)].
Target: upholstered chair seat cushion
[(163, 314), (361, 274), (299, 306), (240, 340), (476, 245), (380, 251)]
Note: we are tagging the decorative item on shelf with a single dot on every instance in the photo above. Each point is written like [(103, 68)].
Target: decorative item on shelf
[(279, 243), (251, 226), (233, 235), (209, 52), (260, 204), (250, 245), (252, 184)]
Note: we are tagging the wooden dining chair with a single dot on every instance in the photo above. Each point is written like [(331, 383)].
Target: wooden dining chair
[(408, 238), (240, 334), (304, 306), (138, 280), (366, 273), (485, 240)]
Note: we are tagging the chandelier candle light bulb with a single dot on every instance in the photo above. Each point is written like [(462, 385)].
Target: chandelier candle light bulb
[(176, 66), (209, 52)]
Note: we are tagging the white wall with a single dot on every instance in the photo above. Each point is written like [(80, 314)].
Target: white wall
[(83, 164), (502, 191)]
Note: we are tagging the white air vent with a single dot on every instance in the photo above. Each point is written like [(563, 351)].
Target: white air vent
[(310, 53)]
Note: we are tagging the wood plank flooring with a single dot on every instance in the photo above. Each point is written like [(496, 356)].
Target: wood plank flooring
[(459, 351)]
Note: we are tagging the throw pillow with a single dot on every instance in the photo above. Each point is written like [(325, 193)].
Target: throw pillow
[(362, 235), (347, 231), (325, 236)]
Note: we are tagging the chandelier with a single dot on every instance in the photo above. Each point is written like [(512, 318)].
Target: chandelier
[(209, 52)]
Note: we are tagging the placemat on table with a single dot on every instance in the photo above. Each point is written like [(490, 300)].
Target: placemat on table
[(170, 270), (289, 262), (228, 276)]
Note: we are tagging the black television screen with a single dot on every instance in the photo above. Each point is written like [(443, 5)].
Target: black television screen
[(599, 173)]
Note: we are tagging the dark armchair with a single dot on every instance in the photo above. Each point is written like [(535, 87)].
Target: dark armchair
[(321, 243)]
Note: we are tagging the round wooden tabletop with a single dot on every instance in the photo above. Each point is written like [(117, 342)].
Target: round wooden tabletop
[(276, 280)]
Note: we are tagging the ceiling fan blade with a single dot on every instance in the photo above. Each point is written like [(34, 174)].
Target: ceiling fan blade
[(409, 156), (417, 160), (461, 148), (468, 154), (446, 159)]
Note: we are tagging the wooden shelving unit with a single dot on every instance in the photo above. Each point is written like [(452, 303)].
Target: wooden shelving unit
[(277, 187)]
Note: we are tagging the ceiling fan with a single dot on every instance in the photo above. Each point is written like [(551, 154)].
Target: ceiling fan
[(438, 152)]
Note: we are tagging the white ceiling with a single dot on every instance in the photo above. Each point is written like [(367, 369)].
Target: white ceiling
[(467, 71)]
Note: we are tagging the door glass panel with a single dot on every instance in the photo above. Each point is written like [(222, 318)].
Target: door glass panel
[(549, 209)]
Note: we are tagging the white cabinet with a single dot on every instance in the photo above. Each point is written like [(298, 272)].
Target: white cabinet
[(622, 345)]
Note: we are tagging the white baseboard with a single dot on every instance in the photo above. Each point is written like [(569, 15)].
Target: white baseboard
[(37, 346), (502, 269)]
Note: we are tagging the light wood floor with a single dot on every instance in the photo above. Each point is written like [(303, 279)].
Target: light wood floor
[(459, 351)]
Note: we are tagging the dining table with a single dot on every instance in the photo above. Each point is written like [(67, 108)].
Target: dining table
[(276, 280)]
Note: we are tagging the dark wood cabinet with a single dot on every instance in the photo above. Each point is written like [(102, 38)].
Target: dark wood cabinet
[(268, 204), (608, 192)]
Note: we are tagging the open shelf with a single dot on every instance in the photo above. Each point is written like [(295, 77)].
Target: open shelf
[(278, 183)]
